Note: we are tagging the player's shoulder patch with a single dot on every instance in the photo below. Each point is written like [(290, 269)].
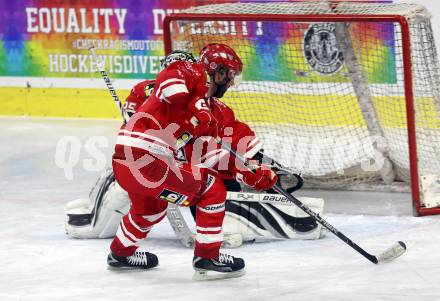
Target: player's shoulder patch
[(148, 89), (144, 88), (183, 139)]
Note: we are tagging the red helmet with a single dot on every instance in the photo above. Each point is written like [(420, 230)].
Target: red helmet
[(215, 56)]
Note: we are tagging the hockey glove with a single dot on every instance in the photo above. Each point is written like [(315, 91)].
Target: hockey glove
[(263, 178), (205, 124)]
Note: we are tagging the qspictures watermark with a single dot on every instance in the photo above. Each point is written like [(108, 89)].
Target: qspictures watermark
[(309, 155), (69, 149)]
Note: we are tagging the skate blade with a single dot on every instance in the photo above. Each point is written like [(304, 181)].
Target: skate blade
[(125, 269), (213, 275)]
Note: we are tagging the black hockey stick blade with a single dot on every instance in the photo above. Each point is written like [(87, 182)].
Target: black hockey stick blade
[(391, 253)]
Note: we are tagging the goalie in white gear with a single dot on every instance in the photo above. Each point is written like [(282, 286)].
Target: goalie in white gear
[(100, 214)]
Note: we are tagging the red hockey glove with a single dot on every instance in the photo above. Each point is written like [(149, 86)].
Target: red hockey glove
[(205, 124), (263, 178)]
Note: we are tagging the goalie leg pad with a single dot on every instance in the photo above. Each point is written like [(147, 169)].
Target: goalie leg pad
[(98, 216), (78, 219), (78, 213), (260, 221)]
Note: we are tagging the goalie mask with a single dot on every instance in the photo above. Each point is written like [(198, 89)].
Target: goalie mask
[(176, 55), (223, 65)]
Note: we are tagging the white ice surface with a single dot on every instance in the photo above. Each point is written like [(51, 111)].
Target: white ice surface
[(39, 262)]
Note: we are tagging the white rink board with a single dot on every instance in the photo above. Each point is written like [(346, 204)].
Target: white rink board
[(41, 263)]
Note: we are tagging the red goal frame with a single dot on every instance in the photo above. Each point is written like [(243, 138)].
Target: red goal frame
[(418, 209)]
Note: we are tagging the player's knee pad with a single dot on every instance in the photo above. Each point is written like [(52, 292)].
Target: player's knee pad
[(211, 211), (214, 193)]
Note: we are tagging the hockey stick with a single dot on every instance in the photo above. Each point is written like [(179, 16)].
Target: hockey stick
[(174, 215), (180, 227), (280, 170), (389, 254), (109, 84), (266, 198)]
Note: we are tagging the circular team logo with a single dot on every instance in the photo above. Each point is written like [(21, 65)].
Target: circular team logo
[(321, 48)]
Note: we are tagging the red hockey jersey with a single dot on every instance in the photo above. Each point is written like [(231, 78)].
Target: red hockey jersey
[(209, 154), (162, 105), (159, 122)]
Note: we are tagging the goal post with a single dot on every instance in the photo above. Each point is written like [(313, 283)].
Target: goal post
[(332, 90)]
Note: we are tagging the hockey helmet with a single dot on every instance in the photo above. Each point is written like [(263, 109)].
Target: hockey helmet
[(222, 58), (176, 55)]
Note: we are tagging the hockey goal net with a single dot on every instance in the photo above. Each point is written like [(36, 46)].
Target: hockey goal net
[(345, 93)]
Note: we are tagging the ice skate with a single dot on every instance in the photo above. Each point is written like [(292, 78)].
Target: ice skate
[(139, 260), (226, 266)]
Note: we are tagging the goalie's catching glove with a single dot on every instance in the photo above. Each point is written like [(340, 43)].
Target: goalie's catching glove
[(204, 122), (262, 178)]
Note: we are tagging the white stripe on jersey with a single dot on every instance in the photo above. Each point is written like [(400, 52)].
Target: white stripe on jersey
[(143, 144), (133, 223), (154, 217), (128, 233), (123, 239), (209, 229), (173, 90), (152, 138), (171, 80), (209, 238)]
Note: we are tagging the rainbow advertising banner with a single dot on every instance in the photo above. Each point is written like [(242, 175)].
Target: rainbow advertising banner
[(46, 67), (50, 38), (44, 51)]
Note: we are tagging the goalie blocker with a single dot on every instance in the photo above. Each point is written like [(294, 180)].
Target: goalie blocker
[(249, 216)]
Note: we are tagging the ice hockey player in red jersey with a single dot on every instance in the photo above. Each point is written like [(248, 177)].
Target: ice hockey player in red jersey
[(145, 166), (99, 215)]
